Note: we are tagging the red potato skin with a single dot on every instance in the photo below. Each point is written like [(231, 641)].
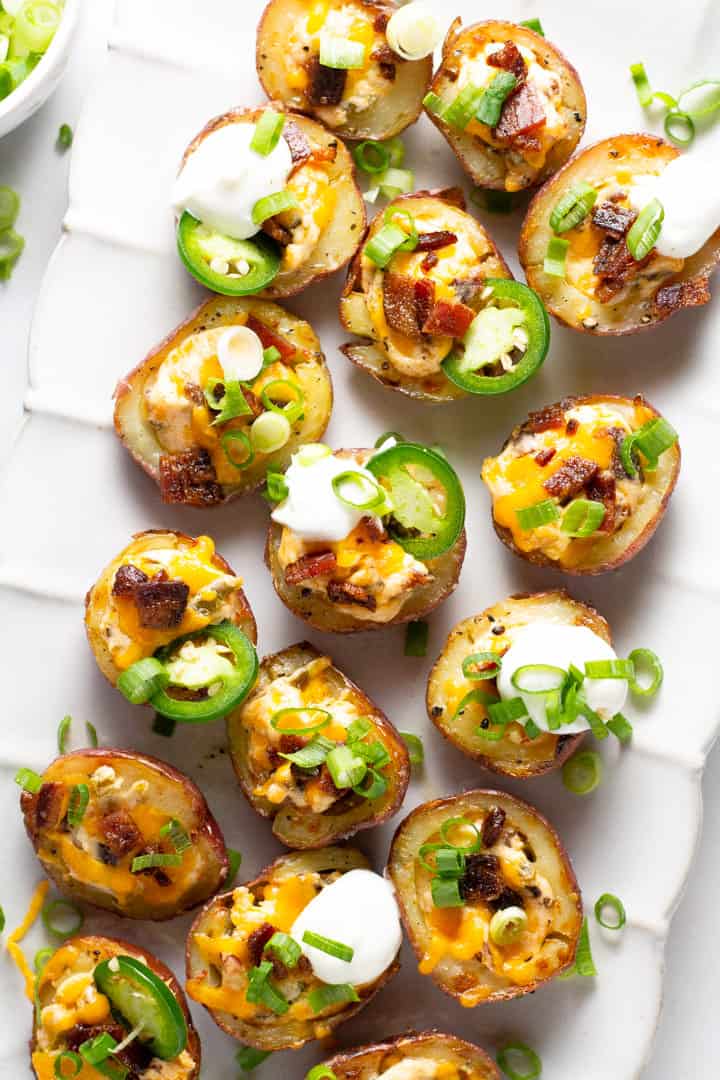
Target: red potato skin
[(349, 1065)]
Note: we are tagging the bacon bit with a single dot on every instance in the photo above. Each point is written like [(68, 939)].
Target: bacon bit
[(310, 566), (300, 149), (136, 1057), (468, 290), (257, 942), (271, 340), (482, 879), (572, 425), (277, 232), (522, 114), (544, 457), (612, 218), (374, 530), (407, 303), (683, 294), (618, 435), (432, 241), (343, 592), (386, 60), (570, 477), (492, 826), (189, 478), (289, 744), (327, 85), (429, 262), (194, 393), (161, 604), (552, 416), (120, 833), (602, 489), (448, 319), (381, 21), (49, 805), (508, 897), (127, 580), (614, 265), (509, 58)]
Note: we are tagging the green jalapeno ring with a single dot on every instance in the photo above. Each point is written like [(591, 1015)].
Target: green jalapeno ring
[(234, 689), (260, 252), (141, 997), (411, 508), (537, 327)]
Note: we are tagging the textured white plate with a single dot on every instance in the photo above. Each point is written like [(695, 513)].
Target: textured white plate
[(71, 498)]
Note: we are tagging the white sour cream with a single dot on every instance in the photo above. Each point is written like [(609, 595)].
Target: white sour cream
[(359, 910), (312, 510), (223, 179), (560, 646)]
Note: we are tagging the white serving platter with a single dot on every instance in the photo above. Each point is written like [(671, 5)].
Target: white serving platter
[(71, 498)]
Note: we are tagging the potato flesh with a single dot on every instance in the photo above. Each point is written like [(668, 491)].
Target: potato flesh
[(446, 1055)]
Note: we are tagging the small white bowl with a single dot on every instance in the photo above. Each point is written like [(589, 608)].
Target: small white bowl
[(40, 83)]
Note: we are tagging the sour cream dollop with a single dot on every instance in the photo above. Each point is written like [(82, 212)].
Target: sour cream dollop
[(223, 179), (359, 910), (312, 510), (558, 645)]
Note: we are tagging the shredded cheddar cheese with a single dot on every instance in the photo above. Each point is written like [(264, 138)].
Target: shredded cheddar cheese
[(13, 942)]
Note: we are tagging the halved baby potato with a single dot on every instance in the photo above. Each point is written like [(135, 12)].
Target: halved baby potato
[(428, 1055), (312, 240), (300, 688), (100, 811), (494, 631), (374, 101), (578, 451), (604, 290), (541, 120), (169, 410), (94, 987), (519, 915), (229, 937)]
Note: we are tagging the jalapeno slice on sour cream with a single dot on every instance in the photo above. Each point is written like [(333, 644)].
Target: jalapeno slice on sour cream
[(142, 998), (199, 247)]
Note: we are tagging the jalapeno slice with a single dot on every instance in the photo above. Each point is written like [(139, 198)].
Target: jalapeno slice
[(427, 498), (234, 678), (200, 247), (509, 338), (142, 998)]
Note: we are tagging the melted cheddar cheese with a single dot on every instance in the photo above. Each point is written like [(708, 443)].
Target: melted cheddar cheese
[(312, 187)]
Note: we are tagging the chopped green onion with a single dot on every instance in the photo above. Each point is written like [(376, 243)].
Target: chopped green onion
[(540, 513), (371, 156), (327, 945), (482, 665), (531, 729), (227, 442), (621, 728), (507, 925), (454, 869), (65, 137), (41, 958), (416, 638), (609, 669), (463, 108), (651, 662), (91, 734), (276, 487), (12, 245), (35, 26), (78, 803), (270, 356), (336, 994), (248, 1057), (461, 823), (358, 729), (644, 231), (369, 494), (231, 403), (583, 518), (433, 103), (312, 755), (293, 407), (642, 84), (55, 917), (374, 753), (554, 262), (234, 861), (164, 725), (260, 990), (375, 790), (709, 103), (416, 750), (96, 1050), (573, 207), (29, 780), (270, 205), (530, 1062), (346, 768), (142, 679), (311, 453), (318, 719), (582, 772), (386, 242), (395, 182), (507, 712), (9, 207), (389, 435), (63, 729), (446, 892), (608, 900), (267, 132), (584, 964), (320, 1072), (154, 859), (173, 831), (494, 98), (341, 53), (553, 676), (270, 432), (397, 151), (285, 948), (679, 127), (653, 439), (535, 25), (72, 1060), (2, 919)]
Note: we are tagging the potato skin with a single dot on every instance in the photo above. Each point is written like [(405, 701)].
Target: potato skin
[(97, 595), (369, 355), (391, 114), (613, 552), (528, 759), (111, 946), (467, 981), (137, 435), (181, 798), (340, 238), (485, 165), (293, 826), (369, 1062), (281, 1033), (626, 316)]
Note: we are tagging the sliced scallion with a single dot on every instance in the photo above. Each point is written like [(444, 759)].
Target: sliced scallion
[(285, 948), (260, 991), (174, 832), (507, 712), (142, 679), (525, 1059), (609, 900), (270, 205), (234, 861), (416, 638), (9, 207), (346, 768), (679, 127), (63, 731), (609, 669), (555, 256), (653, 439), (525, 678), (154, 860), (494, 97), (648, 660), (67, 1065), (270, 432), (237, 448), (540, 513), (507, 925), (320, 1072), (267, 132), (312, 755), (434, 103), (41, 958), (283, 396), (276, 488), (582, 772), (386, 242), (573, 207), (584, 964), (65, 137), (248, 1057), (482, 665), (341, 53), (621, 728), (62, 918), (642, 84), (91, 734), (395, 182), (372, 786), (644, 231), (327, 945), (446, 892), (359, 490), (461, 823), (29, 780), (583, 518), (700, 99), (230, 404), (336, 994), (372, 156), (535, 25), (78, 803)]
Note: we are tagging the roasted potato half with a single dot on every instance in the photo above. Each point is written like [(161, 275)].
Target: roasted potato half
[(173, 414), (376, 575), (517, 911), (230, 937), (375, 101), (604, 289), (540, 121), (100, 985), (427, 1054), (309, 798), (416, 312), (581, 451), (494, 632), (296, 246), (100, 813)]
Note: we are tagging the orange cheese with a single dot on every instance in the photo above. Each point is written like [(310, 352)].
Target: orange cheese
[(43, 1062), (456, 932), (13, 942), (221, 998), (386, 555)]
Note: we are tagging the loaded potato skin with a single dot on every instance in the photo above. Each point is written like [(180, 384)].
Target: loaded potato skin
[(72, 1010), (306, 807), (136, 805), (169, 421), (519, 864), (570, 451), (432, 1054), (541, 120), (376, 101), (605, 290)]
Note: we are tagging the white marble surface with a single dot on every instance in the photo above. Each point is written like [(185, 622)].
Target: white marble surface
[(688, 1037)]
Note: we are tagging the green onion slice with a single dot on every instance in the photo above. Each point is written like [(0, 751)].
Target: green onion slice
[(416, 750), (446, 892), (535, 25), (270, 432), (144, 678), (621, 728), (284, 397), (372, 156), (267, 132), (609, 900), (584, 964), (653, 439), (62, 918), (644, 231), (241, 457), (582, 772), (63, 731), (463, 108), (65, 137), (482, 665), (341, 53), (261, 991), (461, 823), (359, 729), (12, 245), (540, 513), (507, 712), (9, 207), (248, 1057), (327, 945), (276, 488), (448, 860), (67, 1065), (29, 780), (312, 755), (78, 804), (231, 403), (285, 948), (573, 207), (679, 127), (174, 832), (320, 1072), (583, 518), (642, 84), (395, 182), (91, 734), (609, 669), (234, 861), (416, 638), (386, 242), (507, 925), (153, 860), (552, 677), (700, 99), (494, 98), (336, 994), (650, 662), (96, 1050), (359, 491), (525, 1059), (289, 721), (554, 262), (346, 768), (41, 958), (270, 205)]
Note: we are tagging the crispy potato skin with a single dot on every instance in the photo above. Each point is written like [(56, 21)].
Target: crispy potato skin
[(281, 1033), (369, 355), (137, 435), (98, 593), (485, 165), (301, 828), (340, 238), (521, 760), (111, 946), (614, 551), (469, 981), (370, 1062), (177, 795), (626, 315), (391, 114)]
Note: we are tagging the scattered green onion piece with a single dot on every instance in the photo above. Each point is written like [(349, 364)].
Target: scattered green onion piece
[(227, 441), (446, 892), (310, 453), (12, 245), (507, 712), (260, 990), (395, 182), (463, 108), (609, 669), (358, 729), (387, 241), (582, 772), (621, 728), (232, 402), (507, 925), (142, 679), (63, 730), (531, 729), (285, 948), (653, 439), (64, 909), (396, 148), (650, 661), (554, 262), (609, 900), (429, 849), (461, 822), (65, 137), (234, 861), (2, 919), (389, 435), (583, 518), (708, 107), (597, 725), (374, 753), (276, 487), (164, 725), (540, 513), (573, 207), (375, 789), (154, 859), (312, 755), (91, 734), (433, 103), (270, 205), (267, 132), (679, 127), (322, 719), (293, 407), (642, 84), (341, 53), (41, 958), (327, 945), (644, 231), (248, 1057), (482, 665), (270, 356), (336, 994), (270, 432), (29, 780), (530, 1062), (9, 207), (173, 831), (584, 964), (555, 676), (494, 98), (667, 99), (35, 26), (535, 25), (70, 1058), (371, 156), (371, 495), (449, 862), (78, 804), (416, 638), (346, 768), (320, 1072)]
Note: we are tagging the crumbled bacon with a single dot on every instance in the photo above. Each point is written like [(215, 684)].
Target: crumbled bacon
[(381, 20), (271, 340), (189, 478), (618, 435), (571, 477), (327, 85), (509, 58), (300, 149), (49, 805), (194, 393), (127, 580), (432, 241), (448, 319), (386, 60), (683, 294), (544, 457), (120, 833), (344, 592), (407, 303), (572, 425), (492, 826), (135, 1057), (521, 117), (161, 604), (373, 528), (254, 402), (429, 262), (310, 566), (482, 879), (257, 941), (614, 266), (612, 218), (277, 232), (507, 898), (602, 489), (551, 416)]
